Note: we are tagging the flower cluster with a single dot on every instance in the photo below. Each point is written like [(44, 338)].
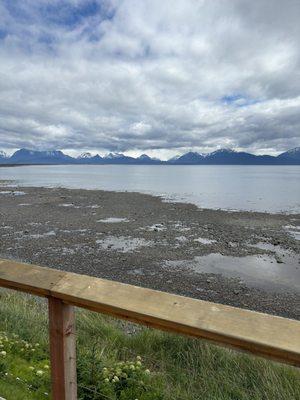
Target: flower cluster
[(97, 379), (126, 380), (21, 347), (36, 377), (125, 371)]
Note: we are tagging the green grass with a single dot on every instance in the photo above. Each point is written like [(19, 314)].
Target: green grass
[(181, 368)]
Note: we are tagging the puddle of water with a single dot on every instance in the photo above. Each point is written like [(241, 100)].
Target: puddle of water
[(156, 228), (137, 271), (296, 235), (260, 271), (123, 244), (205, 240), (181, 228), (180, 241), (12, 193), (68, 205), (113, 220), (294, 231), (74, 230), (268, 246), (40, 235)]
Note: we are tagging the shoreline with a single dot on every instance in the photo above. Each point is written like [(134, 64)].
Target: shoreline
[(215, 187), (8, 184), (143, 240)]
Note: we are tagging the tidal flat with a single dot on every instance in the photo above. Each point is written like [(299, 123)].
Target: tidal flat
[(244, 259)]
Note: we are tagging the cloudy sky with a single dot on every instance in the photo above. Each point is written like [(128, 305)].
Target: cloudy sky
[(154, 76)]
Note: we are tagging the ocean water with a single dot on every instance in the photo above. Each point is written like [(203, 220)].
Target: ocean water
[(251, 188)]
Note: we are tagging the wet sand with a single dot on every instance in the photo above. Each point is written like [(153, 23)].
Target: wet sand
[(244, 259)]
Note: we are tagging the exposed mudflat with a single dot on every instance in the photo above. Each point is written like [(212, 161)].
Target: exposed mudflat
[(245, 259)]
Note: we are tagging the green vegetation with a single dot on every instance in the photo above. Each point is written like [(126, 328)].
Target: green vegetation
[(117, 360)]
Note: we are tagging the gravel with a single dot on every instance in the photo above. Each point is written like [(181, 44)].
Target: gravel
[(131, 237)]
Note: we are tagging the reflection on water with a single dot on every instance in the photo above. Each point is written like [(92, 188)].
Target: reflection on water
[(113, 220), (260, 188), (262, 271), (293, 231)]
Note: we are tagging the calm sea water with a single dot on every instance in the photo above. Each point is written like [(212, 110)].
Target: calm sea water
[(260, 188)]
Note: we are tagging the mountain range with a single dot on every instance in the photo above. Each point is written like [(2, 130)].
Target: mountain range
[(218, 157)]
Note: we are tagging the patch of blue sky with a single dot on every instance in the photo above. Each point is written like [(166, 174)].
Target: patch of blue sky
[(64, 12), (238, 100), (3, 33), (46, 16), (19, 10), (47, 41), (67, 14)]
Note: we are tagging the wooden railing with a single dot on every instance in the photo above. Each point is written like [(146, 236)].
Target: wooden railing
[(261, 334)]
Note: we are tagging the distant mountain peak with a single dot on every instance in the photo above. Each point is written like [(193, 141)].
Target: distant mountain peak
[(191, 157), (293, 151), (222, 151), (111, 156), (85, 155), (292, 156), (192, 153), (224, 156), (27, 156), (144, 157)]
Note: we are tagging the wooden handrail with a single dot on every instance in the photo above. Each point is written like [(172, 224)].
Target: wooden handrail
[(261, 334)]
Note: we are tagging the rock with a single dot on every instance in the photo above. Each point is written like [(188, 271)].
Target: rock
[(278, 260), (236, 292)]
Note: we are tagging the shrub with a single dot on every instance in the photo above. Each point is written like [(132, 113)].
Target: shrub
[(124, 380)]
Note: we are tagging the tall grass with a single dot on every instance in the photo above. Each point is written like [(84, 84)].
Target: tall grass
[(181, 368)]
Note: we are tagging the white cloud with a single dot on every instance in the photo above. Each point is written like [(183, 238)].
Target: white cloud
[(152, 76)]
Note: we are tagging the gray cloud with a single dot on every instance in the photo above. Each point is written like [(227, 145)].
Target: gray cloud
[(150, 75)]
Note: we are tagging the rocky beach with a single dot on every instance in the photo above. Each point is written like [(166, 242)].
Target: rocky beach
[(244, 259)]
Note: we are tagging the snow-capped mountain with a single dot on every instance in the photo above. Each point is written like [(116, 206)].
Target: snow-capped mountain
[(218, 157), (291, 156), (188, 158), (111, 156), (25, 156), (145, 159), (221, 151), (224, 157), (88, 158), (85, 156), (3, 154), (118, 158)]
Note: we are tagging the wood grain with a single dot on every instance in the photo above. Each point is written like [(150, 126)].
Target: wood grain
[(261, 334), (62, 350)]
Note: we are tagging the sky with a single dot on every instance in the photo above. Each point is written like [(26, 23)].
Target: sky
[(150, 76)]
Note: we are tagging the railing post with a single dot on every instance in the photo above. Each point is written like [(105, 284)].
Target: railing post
[(62, 350)]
